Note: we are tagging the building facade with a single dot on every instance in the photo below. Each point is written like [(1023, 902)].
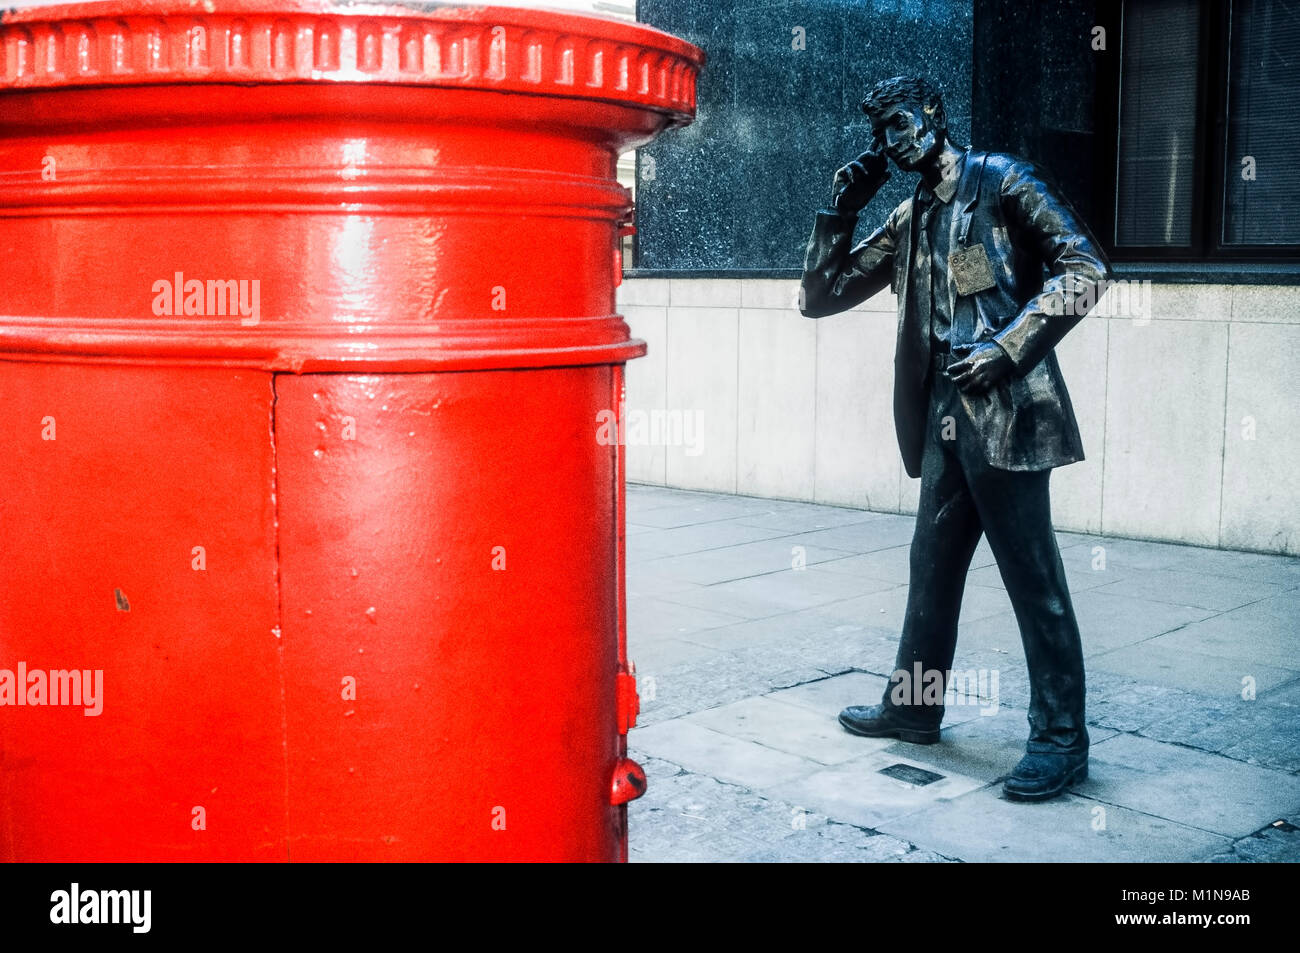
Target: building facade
[(1166, 122)]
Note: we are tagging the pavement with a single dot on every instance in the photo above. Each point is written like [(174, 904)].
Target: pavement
[(752, 622)]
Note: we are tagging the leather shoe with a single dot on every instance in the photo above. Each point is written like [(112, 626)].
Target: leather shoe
[(876, 721), (1042, 776)]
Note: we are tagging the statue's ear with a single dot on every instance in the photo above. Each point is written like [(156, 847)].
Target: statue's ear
[(936, 115)]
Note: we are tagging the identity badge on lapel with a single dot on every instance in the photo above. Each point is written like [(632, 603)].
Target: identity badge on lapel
[(970, 270)]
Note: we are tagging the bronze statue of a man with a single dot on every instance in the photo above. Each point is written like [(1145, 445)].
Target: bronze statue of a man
[(992, 267)]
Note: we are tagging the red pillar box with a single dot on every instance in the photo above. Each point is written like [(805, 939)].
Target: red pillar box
[(311, 547)]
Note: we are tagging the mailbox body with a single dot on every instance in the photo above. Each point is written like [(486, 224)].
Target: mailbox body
[(309, 354)]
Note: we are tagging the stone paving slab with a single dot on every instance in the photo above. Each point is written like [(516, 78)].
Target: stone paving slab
[(789, 728), (1246, 731), (740, 561), (648, 580), (670, 654), (1266, 631), (890, 564), (653, 617), (718, 680), (809, 518), (829, 696), (1127, 554), (857, 538), (1119, 702), (1191, 787), (773, 593), (858, 792), (707, 509), (1193, 671), (805, 630), (834, 651), (1110, 620), (1287, 695), (697, 537), (702, 749), (1199, 590), (985, 827)]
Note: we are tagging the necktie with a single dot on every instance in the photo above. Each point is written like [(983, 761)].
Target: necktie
[(923, 270)]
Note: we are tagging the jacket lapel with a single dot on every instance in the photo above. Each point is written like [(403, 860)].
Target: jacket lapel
[(968, 195), (904, 269)]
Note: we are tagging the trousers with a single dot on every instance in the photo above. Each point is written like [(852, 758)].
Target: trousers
[(961, 498)]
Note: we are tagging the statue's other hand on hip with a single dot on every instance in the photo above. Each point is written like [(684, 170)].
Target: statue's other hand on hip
[(980, 370)]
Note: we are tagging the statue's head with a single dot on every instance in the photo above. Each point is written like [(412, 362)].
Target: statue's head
[(907, 120)]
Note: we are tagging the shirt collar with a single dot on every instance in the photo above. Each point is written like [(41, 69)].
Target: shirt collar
[(947, 186)]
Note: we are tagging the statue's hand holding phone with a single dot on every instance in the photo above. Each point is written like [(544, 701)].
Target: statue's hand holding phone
[(857, 183)]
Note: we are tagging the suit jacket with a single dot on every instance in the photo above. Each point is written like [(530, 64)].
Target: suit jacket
[(1048, 271)]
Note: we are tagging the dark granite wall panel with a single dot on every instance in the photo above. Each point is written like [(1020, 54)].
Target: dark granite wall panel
[(737, 190)]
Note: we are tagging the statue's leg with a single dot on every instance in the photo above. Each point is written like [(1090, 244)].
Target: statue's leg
[(1015, 509), (947, 532)]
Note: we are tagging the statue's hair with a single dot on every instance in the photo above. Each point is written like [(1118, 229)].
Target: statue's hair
[(905, 90)]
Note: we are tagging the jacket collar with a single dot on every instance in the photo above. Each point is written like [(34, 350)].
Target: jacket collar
[(947, 186), (967, 193)]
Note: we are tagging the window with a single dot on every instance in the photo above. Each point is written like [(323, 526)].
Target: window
[(1203, 160)]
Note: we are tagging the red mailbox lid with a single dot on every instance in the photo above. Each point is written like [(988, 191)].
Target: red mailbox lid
[(505, 49)]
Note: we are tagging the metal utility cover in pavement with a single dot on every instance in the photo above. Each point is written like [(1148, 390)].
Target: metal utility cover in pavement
[(911, 774)]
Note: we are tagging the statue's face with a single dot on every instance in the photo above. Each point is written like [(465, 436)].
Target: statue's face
[(908, 135)]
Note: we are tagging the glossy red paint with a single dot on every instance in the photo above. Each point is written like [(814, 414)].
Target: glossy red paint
[(349, 558)]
